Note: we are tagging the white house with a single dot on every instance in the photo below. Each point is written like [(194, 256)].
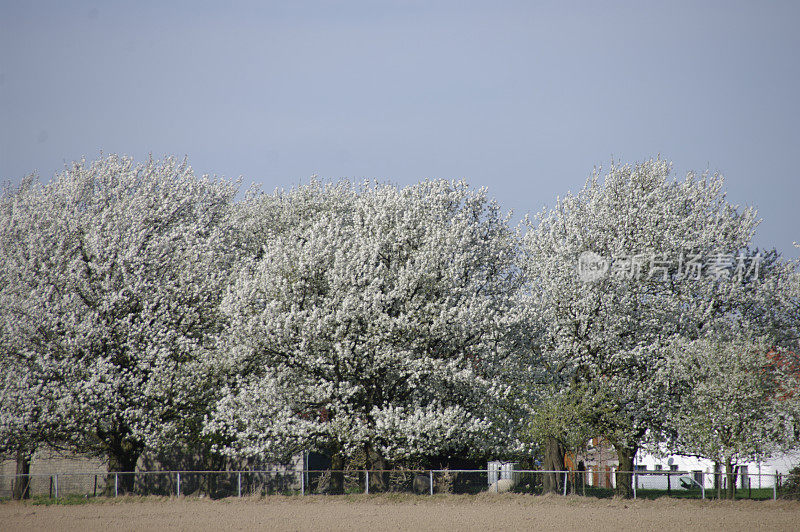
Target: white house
[(690, 469), (685, 471)]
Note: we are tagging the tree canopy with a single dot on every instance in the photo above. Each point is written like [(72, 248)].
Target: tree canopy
[(378, 322), (147, 309)]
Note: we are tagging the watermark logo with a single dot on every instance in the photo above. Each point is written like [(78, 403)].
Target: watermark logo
[(665, 267), (591, 266)]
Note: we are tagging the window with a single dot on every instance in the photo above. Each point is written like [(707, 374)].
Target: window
[(673, 467), (659, 467)]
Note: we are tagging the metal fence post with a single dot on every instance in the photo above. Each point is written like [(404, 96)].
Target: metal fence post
[(565, 483), (366, 481), (116, 484), (635, 482), (302, 482), (56, 480), (431, 479), (775, 487), (239, 484), (179, 484), (703, 485)]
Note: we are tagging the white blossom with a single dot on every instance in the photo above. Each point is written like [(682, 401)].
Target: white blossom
[(374, 316), (613, 332), (113, 272)]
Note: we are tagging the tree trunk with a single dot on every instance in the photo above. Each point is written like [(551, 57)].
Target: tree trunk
[(553, 461), (21, 489), (625, 455), (730, 474), (337, 473), (378, 477), (718, 479), (122, 459), (209, 482)]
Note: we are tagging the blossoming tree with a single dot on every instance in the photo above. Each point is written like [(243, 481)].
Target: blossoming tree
[(32, 370), (733, 408), (374, 323), (623, 266), (115, 273)]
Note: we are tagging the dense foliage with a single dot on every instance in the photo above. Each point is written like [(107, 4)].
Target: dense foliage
[(621, 270), (145, 309), (377, 323), (113, 273)]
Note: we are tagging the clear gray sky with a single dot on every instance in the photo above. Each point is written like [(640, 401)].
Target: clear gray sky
[(522, 97)]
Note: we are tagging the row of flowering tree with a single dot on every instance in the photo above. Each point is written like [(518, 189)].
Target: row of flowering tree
[(146, 309)]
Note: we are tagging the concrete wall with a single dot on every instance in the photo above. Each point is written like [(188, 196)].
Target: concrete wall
[(76, 473)]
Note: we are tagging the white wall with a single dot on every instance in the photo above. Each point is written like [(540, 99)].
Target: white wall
[(761, 474)]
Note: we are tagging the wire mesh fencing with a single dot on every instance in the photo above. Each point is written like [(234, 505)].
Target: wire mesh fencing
[(213, 484), (221, 484)]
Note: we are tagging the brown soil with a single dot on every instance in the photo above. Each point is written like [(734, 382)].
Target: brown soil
[(440, 512)]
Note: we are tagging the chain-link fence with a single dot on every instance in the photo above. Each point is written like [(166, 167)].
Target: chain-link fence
[(653, 484), (220, 484)]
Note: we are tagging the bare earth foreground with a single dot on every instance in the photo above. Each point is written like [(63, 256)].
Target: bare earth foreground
[(440, 512)]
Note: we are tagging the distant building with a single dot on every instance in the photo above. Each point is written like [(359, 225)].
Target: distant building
[(760, 474), (601, 464)]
